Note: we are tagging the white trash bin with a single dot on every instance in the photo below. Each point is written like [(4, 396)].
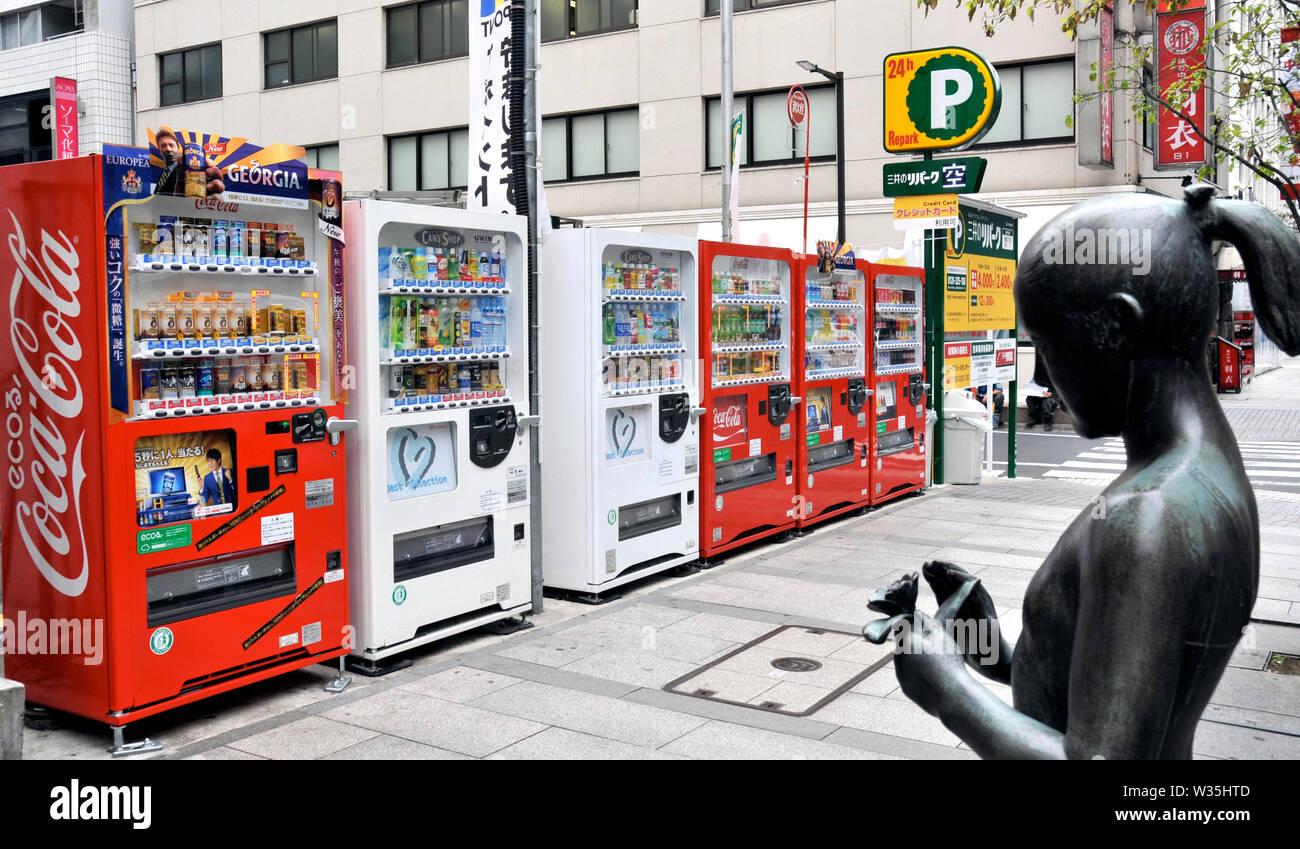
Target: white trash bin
[(965, 423)]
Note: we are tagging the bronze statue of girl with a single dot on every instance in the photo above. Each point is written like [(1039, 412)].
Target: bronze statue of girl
[(1131, 620)]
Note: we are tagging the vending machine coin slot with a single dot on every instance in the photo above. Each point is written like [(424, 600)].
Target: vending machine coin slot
[(674, 416), (491, 435), (857, 395), (778, 403)]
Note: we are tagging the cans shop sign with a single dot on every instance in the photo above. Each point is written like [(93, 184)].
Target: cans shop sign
[(938, 99)]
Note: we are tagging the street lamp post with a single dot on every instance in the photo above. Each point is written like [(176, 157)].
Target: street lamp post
[(836, 77)]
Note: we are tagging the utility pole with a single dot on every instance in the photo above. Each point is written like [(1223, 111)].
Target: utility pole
[(724, 119)]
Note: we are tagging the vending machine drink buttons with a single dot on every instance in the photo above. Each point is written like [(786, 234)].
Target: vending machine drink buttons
[(674, 416), (491, 435)]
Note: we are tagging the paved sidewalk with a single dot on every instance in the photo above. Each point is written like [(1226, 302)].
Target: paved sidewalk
[(587, 682)]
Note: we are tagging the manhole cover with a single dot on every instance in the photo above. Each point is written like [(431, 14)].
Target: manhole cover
[(796, 664), (791, 670)]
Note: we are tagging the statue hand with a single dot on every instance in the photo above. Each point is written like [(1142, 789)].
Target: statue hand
[(947, 580), (928, 663)]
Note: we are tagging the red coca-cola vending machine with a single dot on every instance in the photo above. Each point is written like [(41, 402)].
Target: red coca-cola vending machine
[(898, 379), (747, 451), (833, 468), (174, 515)]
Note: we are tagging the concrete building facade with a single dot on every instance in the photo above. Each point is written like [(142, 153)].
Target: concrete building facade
[(89, 40), (626, 93)]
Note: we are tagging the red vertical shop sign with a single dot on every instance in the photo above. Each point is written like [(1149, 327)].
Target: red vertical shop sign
[(50, 372), (1106, 21), (63, 97), (1291, 112), (1179, 36)]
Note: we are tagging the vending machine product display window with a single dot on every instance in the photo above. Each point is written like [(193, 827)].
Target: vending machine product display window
[(440, 339)]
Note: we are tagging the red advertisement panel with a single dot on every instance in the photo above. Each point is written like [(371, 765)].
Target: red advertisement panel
[(1179, 36), (50, 376), (1106, 21)]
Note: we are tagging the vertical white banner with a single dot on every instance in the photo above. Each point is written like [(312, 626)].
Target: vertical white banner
[(489, 107), (737, 139)]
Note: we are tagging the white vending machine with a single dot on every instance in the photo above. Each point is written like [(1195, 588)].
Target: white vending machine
[(620, 405), (438, 477)]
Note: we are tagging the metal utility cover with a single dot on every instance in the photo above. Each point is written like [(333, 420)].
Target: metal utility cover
[(794, 670)]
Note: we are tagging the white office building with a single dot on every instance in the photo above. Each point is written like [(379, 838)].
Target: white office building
[(630, 95), (88, 40)]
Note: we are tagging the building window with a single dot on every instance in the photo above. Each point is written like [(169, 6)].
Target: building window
[(1036, 101), (711, 7), (22, 136), (187, 75), (20, 29), (1148, 117), (769, 139), (571, 18), (428, 161), (323, 156), (592, 145), (424, 32), (302, 54)]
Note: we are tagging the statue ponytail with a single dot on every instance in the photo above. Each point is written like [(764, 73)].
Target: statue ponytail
[(1271, 253)]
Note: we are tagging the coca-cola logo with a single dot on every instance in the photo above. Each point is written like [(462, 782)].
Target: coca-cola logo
[(728, 420), (43, 408), (216, 204)]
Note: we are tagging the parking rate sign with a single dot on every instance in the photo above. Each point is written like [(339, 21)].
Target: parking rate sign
[(938, 99)]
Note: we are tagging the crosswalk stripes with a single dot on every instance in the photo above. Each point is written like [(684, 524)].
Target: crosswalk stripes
[(1269, 463)]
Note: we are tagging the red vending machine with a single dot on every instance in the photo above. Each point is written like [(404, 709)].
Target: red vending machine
[(748, 439), (175, 515), (898, 378), (833, 469)]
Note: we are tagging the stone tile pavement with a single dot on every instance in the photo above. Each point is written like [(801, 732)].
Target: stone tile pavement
[(587, 682)]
